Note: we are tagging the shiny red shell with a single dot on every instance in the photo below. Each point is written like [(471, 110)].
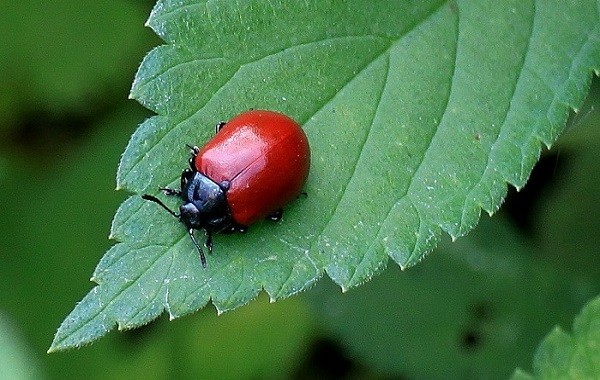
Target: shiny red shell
[(265, 157)]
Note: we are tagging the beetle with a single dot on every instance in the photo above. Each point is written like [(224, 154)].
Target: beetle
[(256, 163)]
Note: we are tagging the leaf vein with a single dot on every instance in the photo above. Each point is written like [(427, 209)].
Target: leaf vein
[(114, 298), (417, 168), (164, 282), (380, 97), (147, 81)]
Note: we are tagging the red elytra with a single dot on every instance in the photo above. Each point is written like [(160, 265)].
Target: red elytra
[(265, 157)]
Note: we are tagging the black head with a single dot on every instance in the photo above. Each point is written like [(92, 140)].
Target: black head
[(204, 206)]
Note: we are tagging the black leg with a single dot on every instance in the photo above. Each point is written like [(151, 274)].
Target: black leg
[(169, 191), (208, 243), (275, 216), (186, 176), (219, 126), (234, 228), (202, 257), (239, 228), (194, 150)]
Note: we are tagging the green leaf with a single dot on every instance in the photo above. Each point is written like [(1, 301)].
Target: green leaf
[(418, 115), (565, 356)]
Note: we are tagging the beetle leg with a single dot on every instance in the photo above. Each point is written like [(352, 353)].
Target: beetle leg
[(239, 228), (202, 257), (169, 191), (186, 176), (276, 215), (192, 164), (219, 126), (234, 227), (194, 150), (208, 243)]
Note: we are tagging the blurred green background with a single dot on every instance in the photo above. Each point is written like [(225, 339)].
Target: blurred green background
[(476, 308)]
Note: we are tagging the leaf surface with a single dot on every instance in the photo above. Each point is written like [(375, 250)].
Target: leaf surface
[(418, 115)]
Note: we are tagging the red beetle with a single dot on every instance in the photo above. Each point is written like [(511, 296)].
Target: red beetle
[(256, 164)]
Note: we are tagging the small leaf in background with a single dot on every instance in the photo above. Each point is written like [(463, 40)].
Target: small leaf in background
[(418, 116), (16, 359), (570, 356)]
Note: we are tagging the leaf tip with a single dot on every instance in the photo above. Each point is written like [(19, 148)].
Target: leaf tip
[(56, 345)]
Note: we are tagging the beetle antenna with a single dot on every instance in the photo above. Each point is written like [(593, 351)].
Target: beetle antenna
[(202, 257), (152, 198)]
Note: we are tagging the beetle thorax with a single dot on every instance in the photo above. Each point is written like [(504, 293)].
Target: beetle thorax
[(204, 204)]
